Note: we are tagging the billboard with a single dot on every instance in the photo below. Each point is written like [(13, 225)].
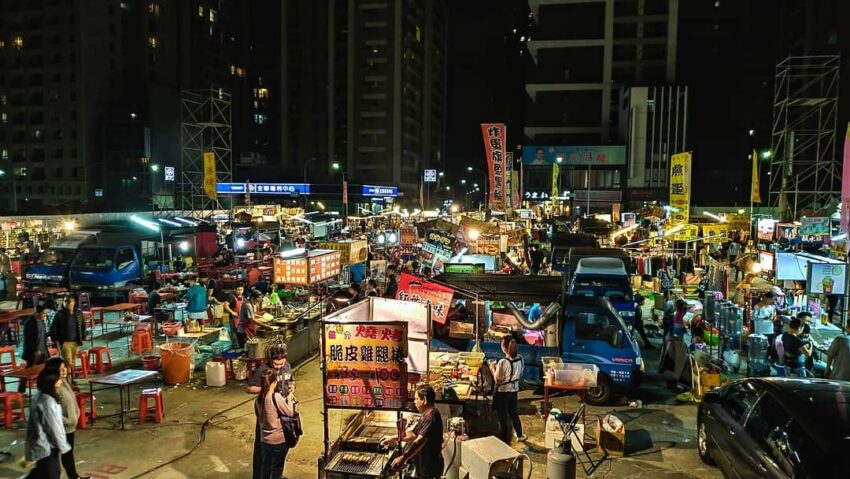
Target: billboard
[(680, 188), (370, 190), (603, 155)]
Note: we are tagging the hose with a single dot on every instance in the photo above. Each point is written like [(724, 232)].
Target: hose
[(202, 434), (517, 464)]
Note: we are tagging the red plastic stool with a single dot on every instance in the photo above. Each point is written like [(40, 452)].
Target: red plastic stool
[(83, 368), (228, 366), (158, 409), (10, 415), (85, 417), (96, 359), (141, 341), (9, 364)]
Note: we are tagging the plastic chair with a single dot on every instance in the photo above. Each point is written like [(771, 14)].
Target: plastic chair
[(10, 414), (96, 359), (85, 417), (8, 361), (141, 341), (158, 411), (83, 368)]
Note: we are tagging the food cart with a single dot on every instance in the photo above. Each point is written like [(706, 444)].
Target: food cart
[(372, 351)]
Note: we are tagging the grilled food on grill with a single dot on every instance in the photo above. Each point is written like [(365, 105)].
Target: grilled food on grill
[(356, 458)]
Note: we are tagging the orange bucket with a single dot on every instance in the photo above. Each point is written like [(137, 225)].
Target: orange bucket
[(176, 361)]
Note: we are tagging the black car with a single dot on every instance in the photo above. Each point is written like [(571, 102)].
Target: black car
[(777, 428)]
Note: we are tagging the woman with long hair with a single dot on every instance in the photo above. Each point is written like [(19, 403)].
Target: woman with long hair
[(507, 373), (70, 413), (269, 407), (46, 440)]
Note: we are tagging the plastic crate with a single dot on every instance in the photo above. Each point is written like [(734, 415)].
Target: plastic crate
[(573, 374), (547, 360)]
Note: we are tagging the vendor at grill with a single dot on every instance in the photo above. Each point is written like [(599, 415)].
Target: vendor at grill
[(424, 440)]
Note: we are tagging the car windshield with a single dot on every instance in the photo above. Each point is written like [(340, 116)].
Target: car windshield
[(612, 289), (53, 257), (93, 259)]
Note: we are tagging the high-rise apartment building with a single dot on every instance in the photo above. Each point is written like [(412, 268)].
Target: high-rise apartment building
[(364, 86), (90, 94), (585, 54)]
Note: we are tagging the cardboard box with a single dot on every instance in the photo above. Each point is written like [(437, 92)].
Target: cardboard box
[(709, 381), (555, 434), (614, 443)]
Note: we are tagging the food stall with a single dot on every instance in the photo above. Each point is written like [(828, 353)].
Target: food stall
[(295, 322), (373, 352)]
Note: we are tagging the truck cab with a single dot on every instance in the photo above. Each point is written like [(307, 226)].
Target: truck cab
[(101, 269), (51, 268), (605, 277)]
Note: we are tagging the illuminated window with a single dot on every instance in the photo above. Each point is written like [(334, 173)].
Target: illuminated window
[(2, 99), (260, 118), (200, 10), (152, 41), (213, 15), (240, 72), (232, 69), (18, 42), (419, 34), (262, 93), (3, 117), (2, 44), (153, 8), (4, 154)]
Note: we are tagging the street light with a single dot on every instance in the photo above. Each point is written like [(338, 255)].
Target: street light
[(154, 167), (766, 154), (463, 182), (442, 174)]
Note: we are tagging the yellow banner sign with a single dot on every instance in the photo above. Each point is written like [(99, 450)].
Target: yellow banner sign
[(715, 233), (687, 233), (680, 188), (556, 174), (209, 175), (738, 222)]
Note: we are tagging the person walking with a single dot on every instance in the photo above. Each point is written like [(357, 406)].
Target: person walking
[(639, 300), (45, 440), (69, 329), (35, 338), (70, 413), (269, 406), (666, 275), (507, 373), (838, 357), (280, 367), (669, 312)]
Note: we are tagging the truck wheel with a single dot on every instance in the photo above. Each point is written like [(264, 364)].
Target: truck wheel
[(601, 394)]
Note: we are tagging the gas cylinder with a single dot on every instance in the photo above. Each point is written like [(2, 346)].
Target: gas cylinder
[(560, 464)]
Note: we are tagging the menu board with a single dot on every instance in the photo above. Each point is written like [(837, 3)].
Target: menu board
[(407, 236), (351, 251), (490, 244), (826, 278), (366, 365), (316, 266)]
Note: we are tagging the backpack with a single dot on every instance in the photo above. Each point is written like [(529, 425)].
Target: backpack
[(291, 427)]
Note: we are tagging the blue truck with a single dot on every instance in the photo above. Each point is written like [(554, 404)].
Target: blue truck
[(101, 269), (605, 277), (583, 329), (51, 268)]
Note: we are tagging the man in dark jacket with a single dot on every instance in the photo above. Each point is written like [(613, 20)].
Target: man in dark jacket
[(35, 340), (69, 329)]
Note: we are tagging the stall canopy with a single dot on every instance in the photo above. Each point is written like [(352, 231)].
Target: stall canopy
[(493, 287)]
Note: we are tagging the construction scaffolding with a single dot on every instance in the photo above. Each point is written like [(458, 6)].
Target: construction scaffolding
[(205, 128), (805, 173)]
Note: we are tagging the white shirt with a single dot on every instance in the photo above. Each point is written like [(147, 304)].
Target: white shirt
[(508, 374)]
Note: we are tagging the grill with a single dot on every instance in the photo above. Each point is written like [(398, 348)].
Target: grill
[(372, 468)]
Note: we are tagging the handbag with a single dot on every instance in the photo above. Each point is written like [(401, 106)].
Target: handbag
[(291, 426)]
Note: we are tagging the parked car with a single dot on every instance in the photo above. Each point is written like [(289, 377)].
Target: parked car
[(776, 428)]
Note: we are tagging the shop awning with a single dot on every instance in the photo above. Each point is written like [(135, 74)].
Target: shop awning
[(494, 287)]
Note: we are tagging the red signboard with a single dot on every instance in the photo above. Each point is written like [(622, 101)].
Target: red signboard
[(494, 147), (418, 290)]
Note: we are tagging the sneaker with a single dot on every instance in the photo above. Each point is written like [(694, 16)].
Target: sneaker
[(522, 438)]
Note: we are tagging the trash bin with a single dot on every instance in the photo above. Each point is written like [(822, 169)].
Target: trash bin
[(176, 361)]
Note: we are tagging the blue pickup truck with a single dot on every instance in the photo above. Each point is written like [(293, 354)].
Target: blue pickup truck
[(101, 268), (51, 268), (605, 277)]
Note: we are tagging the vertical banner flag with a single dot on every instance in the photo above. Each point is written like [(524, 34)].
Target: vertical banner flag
[(755, 195), (509, 168), (556, 174), (209, 175), (845, 185), (515, 188), (494, 146), (680, 188), (345, 194)]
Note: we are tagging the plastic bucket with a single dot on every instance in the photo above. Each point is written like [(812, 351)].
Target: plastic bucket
[(151, 363), (176, 361)]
